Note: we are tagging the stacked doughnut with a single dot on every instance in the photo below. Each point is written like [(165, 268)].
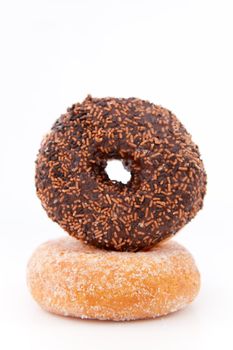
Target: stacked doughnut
[(118, 263)]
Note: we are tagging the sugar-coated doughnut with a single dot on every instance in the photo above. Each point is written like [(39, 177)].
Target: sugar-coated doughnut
[(70, 278), (167, 185)]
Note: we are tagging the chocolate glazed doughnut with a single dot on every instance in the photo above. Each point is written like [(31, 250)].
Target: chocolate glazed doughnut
[(167, 185)]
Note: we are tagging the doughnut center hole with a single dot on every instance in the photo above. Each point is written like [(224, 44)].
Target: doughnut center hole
[(116, 171)]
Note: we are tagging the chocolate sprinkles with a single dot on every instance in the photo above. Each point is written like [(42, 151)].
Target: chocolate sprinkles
[(167, 185)]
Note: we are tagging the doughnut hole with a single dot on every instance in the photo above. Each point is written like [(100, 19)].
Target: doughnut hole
[(120, 175), (117, 171)]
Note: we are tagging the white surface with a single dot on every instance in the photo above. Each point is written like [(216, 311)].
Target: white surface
[(175, 53), (116, 171)]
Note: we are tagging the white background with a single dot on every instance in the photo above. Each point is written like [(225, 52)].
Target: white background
[(174, 53)]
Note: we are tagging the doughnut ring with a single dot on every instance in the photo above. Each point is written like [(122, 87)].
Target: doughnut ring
[(168, 179), (70, 278)]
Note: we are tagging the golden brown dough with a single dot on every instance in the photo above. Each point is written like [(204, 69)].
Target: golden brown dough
[(69, 278)]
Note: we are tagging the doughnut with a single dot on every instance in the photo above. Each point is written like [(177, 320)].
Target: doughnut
[(168, 179), (69, 278)]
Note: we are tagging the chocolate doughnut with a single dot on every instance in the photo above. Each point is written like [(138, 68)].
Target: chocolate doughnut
[(167, 185)]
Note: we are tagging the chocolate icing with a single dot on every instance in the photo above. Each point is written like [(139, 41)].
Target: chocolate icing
[(167, 185)]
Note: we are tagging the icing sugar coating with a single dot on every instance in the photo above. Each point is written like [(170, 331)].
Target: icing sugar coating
[(167, 185), (70, 278)]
